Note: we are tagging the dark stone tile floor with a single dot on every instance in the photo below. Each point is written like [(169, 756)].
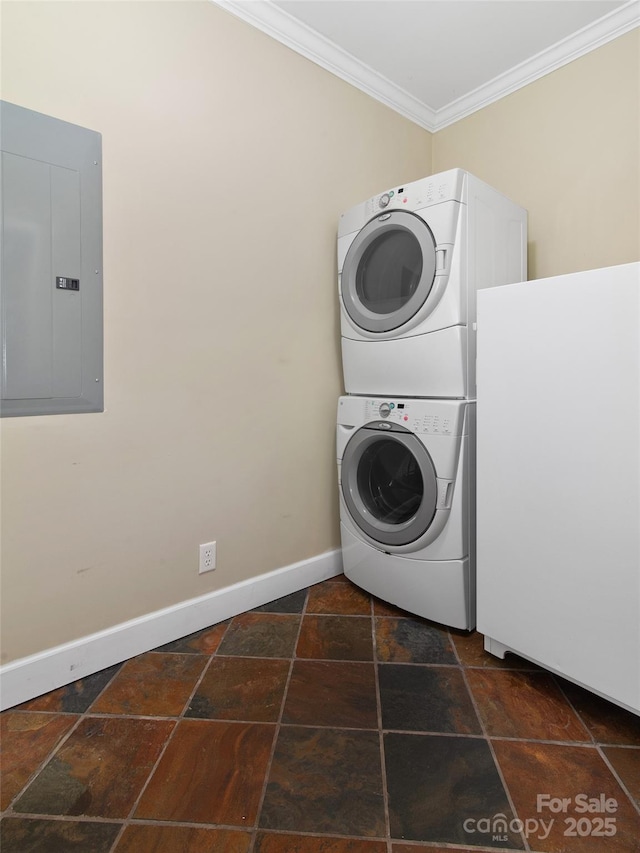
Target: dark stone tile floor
[(324, 722)]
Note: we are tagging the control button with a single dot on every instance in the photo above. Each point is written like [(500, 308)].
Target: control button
[(385, 410), (384, 200), (392, 405)]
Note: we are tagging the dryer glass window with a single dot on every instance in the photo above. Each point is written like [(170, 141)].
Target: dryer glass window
[(390, 482), (389, 272)]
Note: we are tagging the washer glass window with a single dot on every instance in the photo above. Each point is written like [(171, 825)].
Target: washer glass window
[(389, 482)]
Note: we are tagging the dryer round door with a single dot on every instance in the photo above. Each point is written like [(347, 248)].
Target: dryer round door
[(388, 271), (389, 484)]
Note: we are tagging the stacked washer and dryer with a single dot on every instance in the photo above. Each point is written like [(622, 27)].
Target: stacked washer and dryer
[(410, 261)]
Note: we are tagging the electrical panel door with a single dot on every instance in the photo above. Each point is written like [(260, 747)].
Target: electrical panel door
[(51, 289)]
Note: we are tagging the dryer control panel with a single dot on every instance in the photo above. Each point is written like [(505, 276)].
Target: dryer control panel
[(413, 196), (433, 190)]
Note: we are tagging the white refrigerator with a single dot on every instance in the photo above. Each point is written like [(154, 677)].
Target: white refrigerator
[(558, 476)]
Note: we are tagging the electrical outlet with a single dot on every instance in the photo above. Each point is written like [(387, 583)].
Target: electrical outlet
[(207, 557)]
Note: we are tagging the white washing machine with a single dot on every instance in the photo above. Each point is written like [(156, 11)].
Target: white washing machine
[(407, 513), (410, 261)]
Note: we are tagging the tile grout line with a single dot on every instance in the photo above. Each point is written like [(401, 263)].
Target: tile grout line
[(64, 818), (457, 847), (493, 754), (579, 744), (567, 699), (618, 778), (453, 645), (127, 821), (278, 727), (383, 765), (332, 836)]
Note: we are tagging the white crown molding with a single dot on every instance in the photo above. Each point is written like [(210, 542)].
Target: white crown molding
[(291, 32), (589, 38), (299, 37)]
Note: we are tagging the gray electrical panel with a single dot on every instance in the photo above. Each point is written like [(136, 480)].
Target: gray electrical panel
[(51, 282)]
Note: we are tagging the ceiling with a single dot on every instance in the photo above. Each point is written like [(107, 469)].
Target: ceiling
[(436, 61)]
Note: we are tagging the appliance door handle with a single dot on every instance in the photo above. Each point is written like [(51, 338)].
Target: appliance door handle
[(441, 259), (445, 493)]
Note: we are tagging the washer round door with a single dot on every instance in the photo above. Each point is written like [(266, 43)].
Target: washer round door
[(389, 271), (389, 484)]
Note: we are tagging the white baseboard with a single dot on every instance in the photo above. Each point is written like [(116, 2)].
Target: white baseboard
[(32, 676)]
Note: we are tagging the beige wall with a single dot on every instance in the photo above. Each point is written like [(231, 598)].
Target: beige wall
[(227, 160), (567, 148)]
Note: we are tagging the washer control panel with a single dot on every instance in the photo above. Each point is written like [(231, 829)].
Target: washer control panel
[(414, 415)]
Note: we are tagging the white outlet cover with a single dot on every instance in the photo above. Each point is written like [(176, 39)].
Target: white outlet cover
[(207, 557)]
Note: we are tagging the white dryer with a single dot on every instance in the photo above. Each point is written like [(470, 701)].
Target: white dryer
[(407, 513), (410, 261)]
